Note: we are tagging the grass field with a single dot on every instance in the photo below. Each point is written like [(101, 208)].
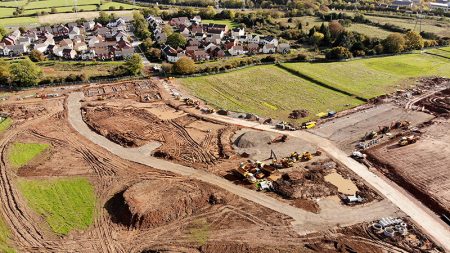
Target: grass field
[(267, 91), (441, 28), (66, 204), (6, 22), (4, 238), (5, 124), (13, 3), (369, 78), (369, 31), (57, 3), (6, 12), (22, 153), (53, 69), (228, 22), (445, 52)]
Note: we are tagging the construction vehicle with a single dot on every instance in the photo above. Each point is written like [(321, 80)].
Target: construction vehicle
[(269, 169), (400, 124), (190, 102), (358, 155), (207, 110), (370, 135), (404, 141), (307, 156), (384, 129), (309, 125), (285, 126), (278, 139)]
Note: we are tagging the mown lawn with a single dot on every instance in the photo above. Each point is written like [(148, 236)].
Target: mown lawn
[(58, 3), (369, 31), (369, 78), (6, 12), (6, 22), (4, 238), (445, 51), (105, 6), (266, 91), (22, 153), (66, 204), (228, 22), (5, 124)]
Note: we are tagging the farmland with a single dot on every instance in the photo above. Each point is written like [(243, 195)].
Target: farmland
[(228, 22), (369, 78), (22, 153), (266, 91), (58, 69), (66, 204)]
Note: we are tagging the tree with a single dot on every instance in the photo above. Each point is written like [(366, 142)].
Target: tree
[(317, 38), (155, 54), (134, 65), (208, 13), (184, 65), (338, 53), (176, 40), (394, 43), (335, 28), (413, 41), (25, 73), (3, 32), (37, 56), (5, 74)]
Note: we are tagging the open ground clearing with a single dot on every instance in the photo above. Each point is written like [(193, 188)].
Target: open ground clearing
[(70, 17), (373, 77), (266, 91), (4, 238), (58, 69), (66, 204), (22, 153), (228, 22)]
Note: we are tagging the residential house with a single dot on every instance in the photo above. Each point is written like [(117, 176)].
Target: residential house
[(180, 21), (237, 50), (216, 52), (95, 40), (215, 28), (89, 25), (41, 47), (58, 51), (237, 32), (402, 3), (442, 5), (74, 32), (269, 40), (69, 53), (116, 23), (196, 19), (60, 31), (16, 50), (125, 53), (252, 48), (80, 47), (198, 55), (171, 54), (254, 38), (268, 49), (66, 43)]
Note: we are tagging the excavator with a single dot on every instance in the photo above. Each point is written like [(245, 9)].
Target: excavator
[(404, 141), (307, 156)]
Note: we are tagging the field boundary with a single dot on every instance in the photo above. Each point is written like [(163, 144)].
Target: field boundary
[(438, 55), (313, 80)]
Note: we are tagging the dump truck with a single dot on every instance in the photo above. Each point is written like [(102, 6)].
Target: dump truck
[(404, 141), (309, 125), (370, 135)]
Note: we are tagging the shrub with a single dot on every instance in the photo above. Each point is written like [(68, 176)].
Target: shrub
[(338, 53)]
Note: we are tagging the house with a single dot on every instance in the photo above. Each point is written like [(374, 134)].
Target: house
[(103, 53), (442, 5), (16, 50), (60, 31), (80, 47), (125, 53), (253, 48), (215, 28), (185, 32), (213, 38), (89, 25), (219, 33), (68, 53), (197, 29), (402, 3), (95, 40), (74, 32), (196, 19), (161, 38), (123, 44), (193, 42), (58, 51), (116, 23), (231, 43), (41, 47), (171, 54), (237, 32), (198, 55), (88, 55), (23, 41), (66, 43), (268, 49), (102, 31), (269, 40), (72, 25), (254, 38), (199, 36), (121, 35), (180, 21), (284, 48), (10, 40), (237, 50), (216, 53)]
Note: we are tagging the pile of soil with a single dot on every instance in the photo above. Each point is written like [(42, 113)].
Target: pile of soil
[(150, 204), (252, 139), (438, 104), (298, 114)]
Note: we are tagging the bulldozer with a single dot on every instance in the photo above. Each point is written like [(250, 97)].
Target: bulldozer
[(370, 135), (279, 139), (307, 156), (285, 126), (400, 124), (404, 141)]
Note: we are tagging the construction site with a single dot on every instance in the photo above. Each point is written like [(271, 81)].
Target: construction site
[(171, 175)]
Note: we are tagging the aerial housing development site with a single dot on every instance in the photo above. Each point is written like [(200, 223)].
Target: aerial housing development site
[(206, 126)]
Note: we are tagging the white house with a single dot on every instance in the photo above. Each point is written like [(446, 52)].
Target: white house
[(75, 32), (42, 47), (268, 49), (254, 38), (58, 51), (269, 40), (237, 50), (440, 6), (116, 23), (237, 32)]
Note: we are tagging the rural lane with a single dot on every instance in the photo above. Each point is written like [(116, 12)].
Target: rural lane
[(304, 222), (421, 215)]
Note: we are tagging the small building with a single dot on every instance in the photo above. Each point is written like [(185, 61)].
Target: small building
[(69, 53), (284, 48)]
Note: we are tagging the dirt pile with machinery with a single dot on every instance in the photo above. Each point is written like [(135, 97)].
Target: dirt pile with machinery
[(438, 104), (252, 139), (298, 114), (151, 204)]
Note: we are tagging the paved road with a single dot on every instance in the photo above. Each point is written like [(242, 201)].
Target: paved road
[(304, 222), (424, 217)]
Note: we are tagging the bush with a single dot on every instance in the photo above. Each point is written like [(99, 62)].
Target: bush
[(338, 53), (302, 57)]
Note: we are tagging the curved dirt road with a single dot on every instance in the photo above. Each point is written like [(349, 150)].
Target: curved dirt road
[(424, 217), (304, 222)]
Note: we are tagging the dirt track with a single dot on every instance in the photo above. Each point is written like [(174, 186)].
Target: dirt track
[(304, 222)]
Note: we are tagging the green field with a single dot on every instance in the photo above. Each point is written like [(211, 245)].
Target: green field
[(57, 69), (369, 78), (13, 3), (58, 3), (266, 91), (6, 12), (18, 21), (445, 52), (5, 124), (22, 153), (66, 204), (369, 31), (106, 6), (228, 22), (4, 238)]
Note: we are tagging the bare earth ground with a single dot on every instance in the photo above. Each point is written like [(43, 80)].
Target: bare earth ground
[(132, 199)]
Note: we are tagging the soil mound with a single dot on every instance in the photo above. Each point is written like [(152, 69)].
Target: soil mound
[(149, 204), (298, 114), (252, 139)]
